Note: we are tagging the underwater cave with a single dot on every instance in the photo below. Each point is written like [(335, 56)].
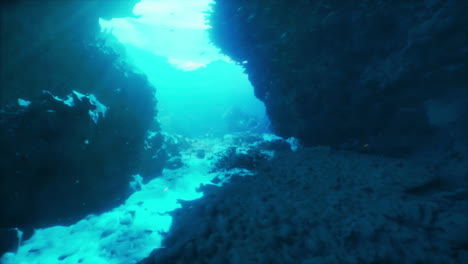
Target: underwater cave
[(233, 131)]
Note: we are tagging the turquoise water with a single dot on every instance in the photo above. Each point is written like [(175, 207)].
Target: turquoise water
[(95, 170), (200, 92)]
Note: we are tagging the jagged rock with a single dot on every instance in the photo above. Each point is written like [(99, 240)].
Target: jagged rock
[(374, 76)]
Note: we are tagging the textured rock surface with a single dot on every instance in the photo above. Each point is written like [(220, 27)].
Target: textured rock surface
[(322, 206), (378, 76), (57, 163)]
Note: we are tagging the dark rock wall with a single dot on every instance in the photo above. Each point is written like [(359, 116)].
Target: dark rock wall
[(58, 163), (385, 77)]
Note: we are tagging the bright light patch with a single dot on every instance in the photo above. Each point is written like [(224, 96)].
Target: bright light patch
[(186, 65), (23, 103), (173, 13), (175, 29)]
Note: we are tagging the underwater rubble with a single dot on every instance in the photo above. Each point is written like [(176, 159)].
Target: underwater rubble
[(318, 205)]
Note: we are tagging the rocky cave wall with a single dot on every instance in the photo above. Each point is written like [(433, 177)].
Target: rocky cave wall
[(73, 149), (384, 77)]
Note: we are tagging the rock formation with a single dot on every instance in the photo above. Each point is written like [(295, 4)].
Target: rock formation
[(74, 119), (385, 77)]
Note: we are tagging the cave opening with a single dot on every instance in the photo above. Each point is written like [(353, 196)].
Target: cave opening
[(95, 170), (200, 92), (202, 97)]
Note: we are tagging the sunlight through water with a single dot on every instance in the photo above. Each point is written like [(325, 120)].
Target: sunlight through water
[(175, 29)]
